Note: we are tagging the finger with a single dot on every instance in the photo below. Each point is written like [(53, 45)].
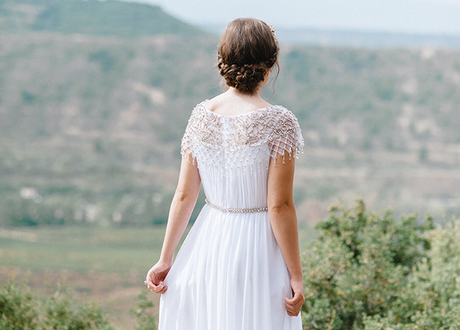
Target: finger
[(294, 300), (291, 303), (149, 283), (160, 289), (157, 288), (294, 305), (293, 311), (163, 291), (151, 277)]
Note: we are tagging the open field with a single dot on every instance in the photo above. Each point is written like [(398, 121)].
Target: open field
[(103, 264), (81, 249)]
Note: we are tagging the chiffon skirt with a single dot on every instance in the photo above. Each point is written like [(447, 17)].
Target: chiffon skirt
[(228, 275)]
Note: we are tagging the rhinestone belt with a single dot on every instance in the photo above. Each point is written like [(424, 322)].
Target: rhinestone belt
[(235, 210)]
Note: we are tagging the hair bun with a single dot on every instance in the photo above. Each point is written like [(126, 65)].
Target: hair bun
[(248, 77), (247, 50)]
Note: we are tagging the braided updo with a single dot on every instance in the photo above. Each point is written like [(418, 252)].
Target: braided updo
[(247, 50)]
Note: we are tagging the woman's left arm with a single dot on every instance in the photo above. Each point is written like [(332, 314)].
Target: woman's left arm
[(281, 210)]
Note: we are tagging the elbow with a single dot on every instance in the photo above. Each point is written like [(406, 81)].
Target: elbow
[(182, 196), (280, 207)]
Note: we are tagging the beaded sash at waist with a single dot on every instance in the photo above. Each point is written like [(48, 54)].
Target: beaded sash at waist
[(236, 210)]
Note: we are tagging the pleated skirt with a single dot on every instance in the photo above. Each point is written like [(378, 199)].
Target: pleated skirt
[(228, 275)]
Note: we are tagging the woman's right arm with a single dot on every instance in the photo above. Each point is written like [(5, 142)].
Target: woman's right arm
[(181, 208)]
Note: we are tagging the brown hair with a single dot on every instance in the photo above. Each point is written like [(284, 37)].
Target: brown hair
[(248, 48)]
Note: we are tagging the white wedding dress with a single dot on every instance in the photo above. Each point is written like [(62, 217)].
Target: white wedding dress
[(229, 273)]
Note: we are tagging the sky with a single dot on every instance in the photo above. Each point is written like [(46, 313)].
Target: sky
[(400, 16)]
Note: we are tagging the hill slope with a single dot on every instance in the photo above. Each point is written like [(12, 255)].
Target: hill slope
[(110, 18), (90, 125)]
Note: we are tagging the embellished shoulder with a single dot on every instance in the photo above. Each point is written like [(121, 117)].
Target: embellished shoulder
[(286, 137), (202, 128), (274, 125)]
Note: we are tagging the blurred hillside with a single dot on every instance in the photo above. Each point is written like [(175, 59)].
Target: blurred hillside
[(93, 107), (366, 39), (93, 17), (355, 38)]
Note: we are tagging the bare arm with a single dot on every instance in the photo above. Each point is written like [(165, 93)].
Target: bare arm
[(281, 210), (181, 208)]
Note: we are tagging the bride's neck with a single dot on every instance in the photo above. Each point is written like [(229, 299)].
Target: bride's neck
[(235, 92)]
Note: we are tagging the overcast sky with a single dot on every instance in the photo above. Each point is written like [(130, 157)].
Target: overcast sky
[(406, 16)]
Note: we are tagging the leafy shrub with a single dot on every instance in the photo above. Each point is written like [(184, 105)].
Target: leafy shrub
[(21, 310), (145, 319), (17, 309), (373, 272)]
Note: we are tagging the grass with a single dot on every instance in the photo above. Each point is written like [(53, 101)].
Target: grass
[(86, 249), (81, 249)]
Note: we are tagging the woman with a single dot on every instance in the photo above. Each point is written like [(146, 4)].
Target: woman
[(239, 267)]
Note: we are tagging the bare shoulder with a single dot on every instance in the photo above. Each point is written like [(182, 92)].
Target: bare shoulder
[(215, 102)]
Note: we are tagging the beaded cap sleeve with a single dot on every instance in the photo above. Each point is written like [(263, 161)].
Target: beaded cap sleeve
[(286, 136), (275, 126)]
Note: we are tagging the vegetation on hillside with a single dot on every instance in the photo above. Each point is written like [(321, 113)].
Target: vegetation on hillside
[(374, 272), (20, 309), (104, 265), (93, 95), (108, 18), (91, 124), (364, 271)]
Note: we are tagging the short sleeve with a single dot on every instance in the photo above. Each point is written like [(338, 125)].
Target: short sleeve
[(187, 143), (286, 137)]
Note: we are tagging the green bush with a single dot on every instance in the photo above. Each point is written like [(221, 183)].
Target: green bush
[(17, 309), (372, 272), (145, 319), (21, 310)]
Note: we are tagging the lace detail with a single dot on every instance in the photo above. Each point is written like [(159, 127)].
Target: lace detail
[(275, 125), (202, 128), (286, 137)]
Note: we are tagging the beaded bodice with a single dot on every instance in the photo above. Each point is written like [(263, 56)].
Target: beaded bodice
[(233, 152)]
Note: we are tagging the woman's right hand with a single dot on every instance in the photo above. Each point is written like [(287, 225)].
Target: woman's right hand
[(294, 305), (156, 276)]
